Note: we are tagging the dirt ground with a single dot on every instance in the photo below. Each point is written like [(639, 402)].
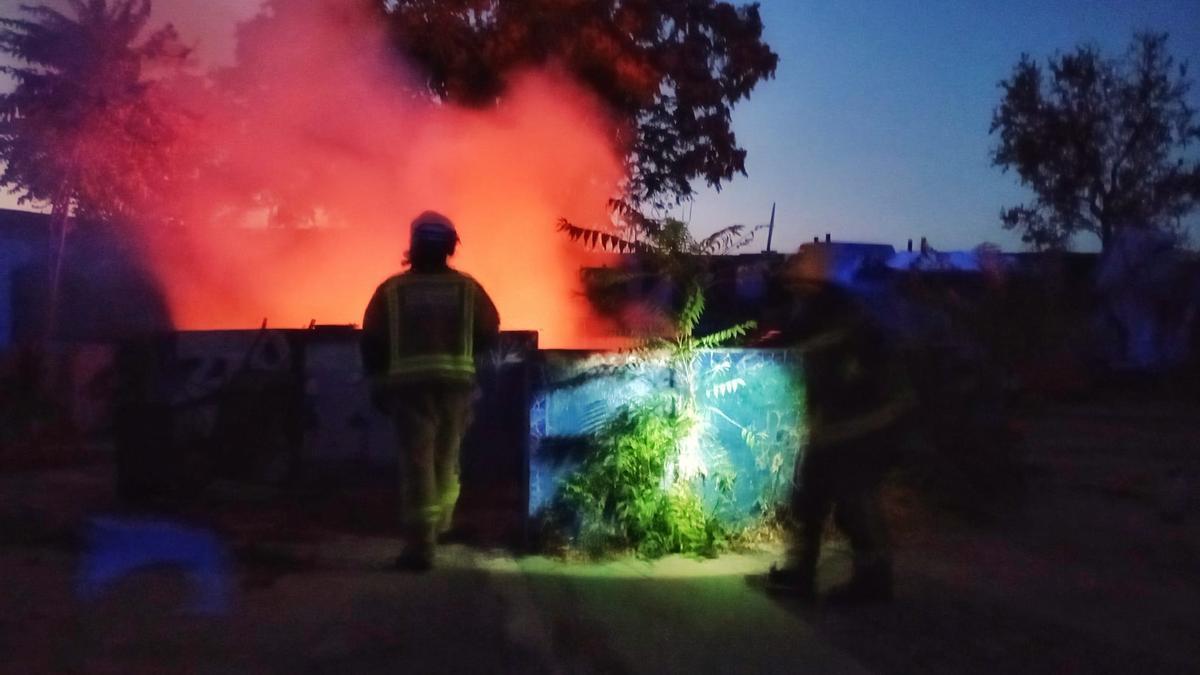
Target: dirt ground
[(1097, 570), (1092, 572)]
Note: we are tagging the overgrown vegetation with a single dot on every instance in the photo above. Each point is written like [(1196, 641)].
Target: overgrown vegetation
[(622, 497), (641, 488)]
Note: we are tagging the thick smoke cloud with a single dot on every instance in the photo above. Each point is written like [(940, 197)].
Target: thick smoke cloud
[(325, 124)]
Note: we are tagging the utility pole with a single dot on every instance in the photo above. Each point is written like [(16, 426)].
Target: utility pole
[(771, 229)]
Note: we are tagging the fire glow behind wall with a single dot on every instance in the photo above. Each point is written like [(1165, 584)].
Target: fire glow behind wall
[(326, 121)]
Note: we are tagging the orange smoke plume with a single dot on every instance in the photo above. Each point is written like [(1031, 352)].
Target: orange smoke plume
[(327, 126)]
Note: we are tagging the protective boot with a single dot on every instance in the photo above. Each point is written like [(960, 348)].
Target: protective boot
[(415, 559), (793, 580), (798, 576), (871, 583), (419, 544)]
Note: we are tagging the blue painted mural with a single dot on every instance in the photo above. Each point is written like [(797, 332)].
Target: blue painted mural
[(750, 404)]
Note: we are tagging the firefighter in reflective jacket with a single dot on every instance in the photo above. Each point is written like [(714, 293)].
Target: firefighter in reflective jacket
[(421, 332), (857, 398)]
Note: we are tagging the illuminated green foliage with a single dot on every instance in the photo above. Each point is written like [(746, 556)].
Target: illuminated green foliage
[(640, 489), (624, 497)]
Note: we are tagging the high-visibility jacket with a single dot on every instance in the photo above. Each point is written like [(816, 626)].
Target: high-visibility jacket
[(427, 326), (854, 385)]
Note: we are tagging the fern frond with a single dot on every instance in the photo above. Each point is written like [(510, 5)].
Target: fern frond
[(693, 308), (597, 239), (720, 337), (727, 239)]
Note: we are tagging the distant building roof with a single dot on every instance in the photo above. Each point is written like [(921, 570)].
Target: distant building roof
[(930, 260), (842, 261)]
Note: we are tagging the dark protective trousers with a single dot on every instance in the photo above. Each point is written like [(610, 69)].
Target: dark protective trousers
[(843, 478), (431, 420)]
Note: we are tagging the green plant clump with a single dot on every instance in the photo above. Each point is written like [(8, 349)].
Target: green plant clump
[(624, 497), (637, 491)]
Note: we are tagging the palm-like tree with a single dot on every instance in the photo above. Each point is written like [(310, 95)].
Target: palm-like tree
[(82, 130)]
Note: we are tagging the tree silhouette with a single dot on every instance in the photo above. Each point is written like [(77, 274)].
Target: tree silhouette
[(1103, 143), (671, 70), (83, 130), (80, 129)]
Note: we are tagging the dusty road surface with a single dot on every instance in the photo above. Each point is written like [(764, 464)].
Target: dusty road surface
[(342, 611), (1094, 572)]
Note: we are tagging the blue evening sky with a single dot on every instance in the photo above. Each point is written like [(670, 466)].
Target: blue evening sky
[(876, 126)]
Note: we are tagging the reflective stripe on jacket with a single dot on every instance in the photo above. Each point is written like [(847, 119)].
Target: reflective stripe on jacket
[(431, 326)]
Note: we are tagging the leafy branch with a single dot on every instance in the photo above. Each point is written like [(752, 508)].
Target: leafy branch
[(598, 240)]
